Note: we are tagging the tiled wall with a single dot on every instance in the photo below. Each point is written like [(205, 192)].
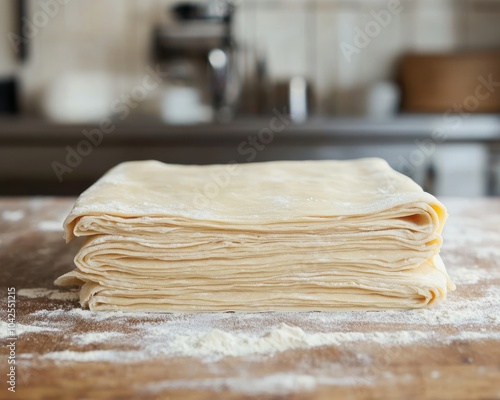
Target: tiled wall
[(296, 37), (305, 38)]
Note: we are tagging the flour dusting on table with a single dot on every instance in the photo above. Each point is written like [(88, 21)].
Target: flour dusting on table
[(13, 216), (94, 356), (214, 336), (21, 329), (96, 337), (50, 226), (333, 340), (280, 383), (34, 293)]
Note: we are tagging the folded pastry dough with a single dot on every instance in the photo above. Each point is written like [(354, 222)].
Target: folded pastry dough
[(287, 235)]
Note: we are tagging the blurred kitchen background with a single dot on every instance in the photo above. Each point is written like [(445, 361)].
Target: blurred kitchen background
[(86, 84)]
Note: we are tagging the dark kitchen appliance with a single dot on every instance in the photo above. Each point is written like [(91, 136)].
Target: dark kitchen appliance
[(198, 51), (8, 96)]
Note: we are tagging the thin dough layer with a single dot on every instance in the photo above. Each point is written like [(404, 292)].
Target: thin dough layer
[(286, 235)]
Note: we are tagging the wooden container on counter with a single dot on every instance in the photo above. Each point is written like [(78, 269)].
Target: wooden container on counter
[(467, 82)]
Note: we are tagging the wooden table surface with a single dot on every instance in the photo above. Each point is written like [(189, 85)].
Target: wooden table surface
[(457, 357)]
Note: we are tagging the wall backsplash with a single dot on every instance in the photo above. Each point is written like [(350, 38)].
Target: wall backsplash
[(307, 38)]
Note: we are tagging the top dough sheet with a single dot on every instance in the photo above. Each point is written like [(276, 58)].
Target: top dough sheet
[(246, 196)]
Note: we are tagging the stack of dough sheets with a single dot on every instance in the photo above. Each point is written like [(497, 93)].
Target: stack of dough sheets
[(287, 235)]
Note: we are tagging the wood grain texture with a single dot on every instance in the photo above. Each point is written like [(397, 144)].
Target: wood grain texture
[(32, 255)]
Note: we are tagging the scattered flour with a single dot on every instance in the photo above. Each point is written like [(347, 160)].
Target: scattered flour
[(50, 226), (210, 337), (473, 335), (34, 293), (214, 336), (435, 374), (469, 275), (20, 329), (277, 384), (95, 337), (80, 313), (13, 216), (285, 337), (95, 356)]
